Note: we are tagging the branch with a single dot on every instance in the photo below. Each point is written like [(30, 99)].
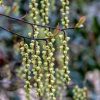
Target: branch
[(43, 26), (32, 25), (44, 39)]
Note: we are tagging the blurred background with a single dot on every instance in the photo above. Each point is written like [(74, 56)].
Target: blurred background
[(84, 46)]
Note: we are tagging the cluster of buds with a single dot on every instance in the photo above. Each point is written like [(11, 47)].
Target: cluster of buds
[(34, 13), (35, 48), (48, 57), (48, 54), (37, 67), (80, 93), (44, 74), (25, 51), (45, 5), (65, 12), (65, 57), (45, 11), (62, 73)]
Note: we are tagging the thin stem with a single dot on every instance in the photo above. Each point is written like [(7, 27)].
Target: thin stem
[(32, 25), (44, 26), (37, 39)]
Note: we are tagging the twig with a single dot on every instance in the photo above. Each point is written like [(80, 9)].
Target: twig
[(32, 25), (44, 39), (44, 26)]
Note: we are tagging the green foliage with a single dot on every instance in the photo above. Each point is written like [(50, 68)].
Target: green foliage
[(80, 93)]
